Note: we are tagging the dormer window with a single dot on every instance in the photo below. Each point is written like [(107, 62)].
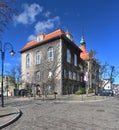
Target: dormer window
[(69, 36), (40, 37)]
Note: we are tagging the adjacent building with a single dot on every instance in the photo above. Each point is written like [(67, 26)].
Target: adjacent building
[(91, 67)]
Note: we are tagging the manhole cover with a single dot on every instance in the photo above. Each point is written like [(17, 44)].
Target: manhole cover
[(100, 110)]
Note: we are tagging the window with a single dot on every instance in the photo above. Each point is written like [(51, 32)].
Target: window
[(38, 75), (65, 73), (50, 54), (77, 77), (28, 76), (38, 57), (74, 76), (50, 75), (28, 60), (70, 75), (75, 60), (68, 56)]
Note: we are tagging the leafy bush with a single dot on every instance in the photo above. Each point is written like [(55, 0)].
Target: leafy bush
[(80, 91)]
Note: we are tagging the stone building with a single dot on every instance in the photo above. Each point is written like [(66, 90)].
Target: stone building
[(8, 86), (91, 71), (53, 62)]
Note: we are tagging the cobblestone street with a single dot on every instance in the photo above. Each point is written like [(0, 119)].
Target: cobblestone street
[(51, 115)]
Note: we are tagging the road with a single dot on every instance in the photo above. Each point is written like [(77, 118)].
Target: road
[(50, 115)]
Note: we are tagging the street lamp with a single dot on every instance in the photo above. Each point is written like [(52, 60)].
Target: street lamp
[(3, 49)]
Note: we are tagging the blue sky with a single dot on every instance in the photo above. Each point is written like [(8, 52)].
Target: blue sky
[(97, 19)]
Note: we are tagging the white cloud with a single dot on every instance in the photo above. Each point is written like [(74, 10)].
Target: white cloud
[(43, 26), (47, 14), (31, 37), (29, 14)]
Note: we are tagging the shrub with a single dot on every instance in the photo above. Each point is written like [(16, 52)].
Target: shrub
[(80, 91)]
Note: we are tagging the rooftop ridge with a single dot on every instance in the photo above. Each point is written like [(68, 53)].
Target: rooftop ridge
[(53, 34)]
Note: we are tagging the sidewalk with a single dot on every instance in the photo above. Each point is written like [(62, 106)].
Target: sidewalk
[(10, 114), (74, 98)]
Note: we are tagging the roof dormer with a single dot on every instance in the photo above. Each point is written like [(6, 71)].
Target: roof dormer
[(69, 36), (40, 37)]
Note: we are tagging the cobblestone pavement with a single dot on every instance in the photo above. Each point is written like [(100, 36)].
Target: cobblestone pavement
[(50, 115)]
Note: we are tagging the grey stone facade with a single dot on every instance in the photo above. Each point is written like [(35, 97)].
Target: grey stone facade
[(56, 75)]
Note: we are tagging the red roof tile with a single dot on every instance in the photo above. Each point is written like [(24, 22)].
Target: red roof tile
[(84, 55), (56, 33)]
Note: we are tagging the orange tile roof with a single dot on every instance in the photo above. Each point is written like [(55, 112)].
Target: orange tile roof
[(32, 43), (56, 33), (83, 48), (84, 55)]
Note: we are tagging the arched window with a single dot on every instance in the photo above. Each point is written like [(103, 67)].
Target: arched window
[(38, 57), (50, 54), (27, 60), (68, 56)]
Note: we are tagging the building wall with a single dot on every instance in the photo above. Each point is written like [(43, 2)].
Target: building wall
[(44, 67), (92, 69), (8, 86), (60, 82), (71, 84)]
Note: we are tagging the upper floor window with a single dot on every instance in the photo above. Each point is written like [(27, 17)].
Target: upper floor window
[(27, 60), (38, 57), (50, 54), (68, 56), (75, 59), (65, 73)]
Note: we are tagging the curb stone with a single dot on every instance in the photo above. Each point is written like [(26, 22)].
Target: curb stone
[(14, 116)]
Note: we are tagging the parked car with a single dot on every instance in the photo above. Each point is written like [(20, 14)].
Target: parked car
[(106, 93)]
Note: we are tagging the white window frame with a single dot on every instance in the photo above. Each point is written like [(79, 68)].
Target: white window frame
[(50, 54), (27, 60), (38, 57), (68, 56), (38, 75), (75, 59)]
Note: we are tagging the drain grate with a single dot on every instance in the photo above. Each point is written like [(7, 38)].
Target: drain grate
[(100, 110)]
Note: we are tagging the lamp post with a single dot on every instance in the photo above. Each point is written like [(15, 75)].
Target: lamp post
[(3, 49)]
